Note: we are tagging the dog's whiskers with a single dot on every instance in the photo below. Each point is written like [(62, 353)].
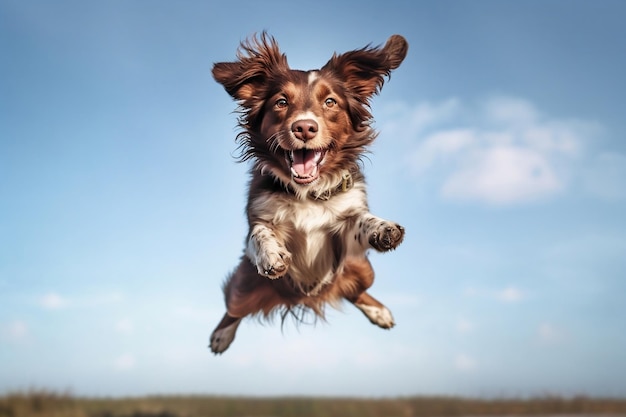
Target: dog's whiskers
[(273, 141)]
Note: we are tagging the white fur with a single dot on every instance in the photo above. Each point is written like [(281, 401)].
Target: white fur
[(222, 338), (380, 316), (314, 222), (306, 115), (313, 75), (267, 253)]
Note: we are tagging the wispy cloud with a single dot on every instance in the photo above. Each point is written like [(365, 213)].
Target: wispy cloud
[(409, 122), (282, 357), (195, 313), (464, 362), (510, 294), (463, 325), (56, 301), (52, 301), (124, 362), (101, 299), (503, 174), (548, 333), (502, 151), (398, 299), (124, 326), (15, 331)]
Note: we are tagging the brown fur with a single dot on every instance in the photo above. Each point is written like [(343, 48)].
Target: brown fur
[(310, 227)]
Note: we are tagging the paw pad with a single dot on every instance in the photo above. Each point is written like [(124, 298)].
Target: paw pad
[(386, 237)]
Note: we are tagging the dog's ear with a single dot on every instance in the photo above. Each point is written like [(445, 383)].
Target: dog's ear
[(364, 70), (244, 79)]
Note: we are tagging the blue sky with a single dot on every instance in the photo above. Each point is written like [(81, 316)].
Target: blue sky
[(501, 151)]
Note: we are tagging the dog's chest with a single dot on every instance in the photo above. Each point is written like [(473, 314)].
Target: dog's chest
[(315, 243), (314, 232), (310, 216)]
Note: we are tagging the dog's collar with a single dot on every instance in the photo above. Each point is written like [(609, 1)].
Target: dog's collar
[(346, 184)]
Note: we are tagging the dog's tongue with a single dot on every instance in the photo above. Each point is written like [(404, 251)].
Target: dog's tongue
[(304, 162)]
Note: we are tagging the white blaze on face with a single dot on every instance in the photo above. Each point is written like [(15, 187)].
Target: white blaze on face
[(305, 161), (312, 76)]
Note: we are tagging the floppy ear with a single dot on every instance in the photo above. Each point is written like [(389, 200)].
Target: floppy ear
[(257, 57), (364, 70), (232, 75)]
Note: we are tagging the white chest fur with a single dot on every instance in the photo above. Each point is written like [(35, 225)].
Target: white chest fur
[(316, 233)]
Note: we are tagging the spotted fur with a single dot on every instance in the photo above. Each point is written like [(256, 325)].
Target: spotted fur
[(309, 224)]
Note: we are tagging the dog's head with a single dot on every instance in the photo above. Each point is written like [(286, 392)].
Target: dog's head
[(306, 128)]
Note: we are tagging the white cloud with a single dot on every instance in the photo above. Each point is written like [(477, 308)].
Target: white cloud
[(548, 333), (511, 112), (124, 362), (437, 147), (124, 326), (503, 151), (503, 175), (464, 362), (16, 331), (196, 314), (401, 299), (52, 301), (408, 122), (102, 299), (284, 357), (510, 295), (464, 325)]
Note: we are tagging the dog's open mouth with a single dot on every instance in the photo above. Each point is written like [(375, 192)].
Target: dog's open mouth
[(305, 164)]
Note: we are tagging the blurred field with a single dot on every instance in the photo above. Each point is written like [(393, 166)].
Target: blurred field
[(49, 404)]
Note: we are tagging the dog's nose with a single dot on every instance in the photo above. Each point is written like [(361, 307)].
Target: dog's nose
[(304, 129)]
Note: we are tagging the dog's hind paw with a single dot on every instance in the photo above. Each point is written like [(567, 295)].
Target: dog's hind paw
[(380, 316), (222, 338)]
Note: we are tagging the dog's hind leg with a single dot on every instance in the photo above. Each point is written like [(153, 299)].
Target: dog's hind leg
[(357, 277), (374, 310), (246, 293), (224, 333)]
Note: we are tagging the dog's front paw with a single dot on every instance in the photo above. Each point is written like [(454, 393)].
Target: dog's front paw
[(386, 236), (273, 263)]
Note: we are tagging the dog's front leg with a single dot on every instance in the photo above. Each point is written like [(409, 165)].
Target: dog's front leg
[(378, 233), (267, 252)]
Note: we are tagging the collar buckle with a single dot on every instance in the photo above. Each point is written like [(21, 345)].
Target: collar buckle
[(346, 181)]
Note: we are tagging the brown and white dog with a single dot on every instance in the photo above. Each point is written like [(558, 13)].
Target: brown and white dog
[(309, 223)]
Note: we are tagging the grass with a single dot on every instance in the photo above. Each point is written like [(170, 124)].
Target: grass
[(50, 404)]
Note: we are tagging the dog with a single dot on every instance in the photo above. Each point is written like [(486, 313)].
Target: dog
[(310, 228)]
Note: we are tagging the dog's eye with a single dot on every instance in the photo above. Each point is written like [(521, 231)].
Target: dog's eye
[(330, 102), (281, 103)]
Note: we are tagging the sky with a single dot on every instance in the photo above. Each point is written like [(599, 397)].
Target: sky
[(502, 152)]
